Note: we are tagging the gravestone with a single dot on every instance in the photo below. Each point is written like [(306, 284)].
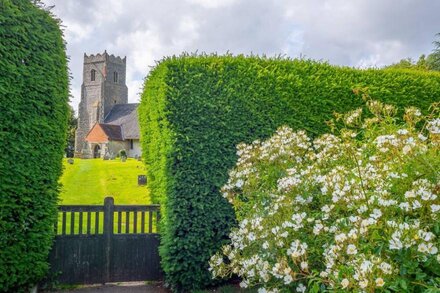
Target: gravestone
[(142, 179)]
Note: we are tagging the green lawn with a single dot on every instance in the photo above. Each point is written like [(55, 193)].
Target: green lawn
[(90, 181)]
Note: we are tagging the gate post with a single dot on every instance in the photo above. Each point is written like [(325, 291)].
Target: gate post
[(108, 232)]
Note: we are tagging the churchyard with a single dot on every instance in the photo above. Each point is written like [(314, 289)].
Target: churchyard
[(89, 181)]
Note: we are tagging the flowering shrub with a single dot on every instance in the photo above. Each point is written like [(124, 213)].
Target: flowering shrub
[(357, 210)]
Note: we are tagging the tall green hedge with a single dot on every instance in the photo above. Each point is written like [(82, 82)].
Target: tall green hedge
[(33, 120), (196, 109)]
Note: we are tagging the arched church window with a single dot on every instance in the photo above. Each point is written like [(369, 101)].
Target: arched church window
[(93, 75), (115, 77)]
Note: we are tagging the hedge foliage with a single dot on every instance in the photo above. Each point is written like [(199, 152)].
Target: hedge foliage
[(196, 109), (33, 120)]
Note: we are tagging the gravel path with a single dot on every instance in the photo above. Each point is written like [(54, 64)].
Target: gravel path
[(120, 288)]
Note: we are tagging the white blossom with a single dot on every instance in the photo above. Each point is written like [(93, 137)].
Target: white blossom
[(294, 197), (434, 126), (363, 283), (301, 288), (380, 282), (351, 249)]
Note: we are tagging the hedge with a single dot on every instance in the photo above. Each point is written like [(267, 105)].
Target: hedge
[(196, 109), (33, 120)]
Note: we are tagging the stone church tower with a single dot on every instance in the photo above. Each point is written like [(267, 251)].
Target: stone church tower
[(103, 87)]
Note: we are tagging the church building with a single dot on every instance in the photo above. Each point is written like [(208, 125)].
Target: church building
[(107, 123)]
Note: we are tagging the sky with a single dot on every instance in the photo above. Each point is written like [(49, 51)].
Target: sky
[(358, 33)]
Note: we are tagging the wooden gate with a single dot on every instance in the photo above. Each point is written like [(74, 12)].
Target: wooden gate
[(102, 244)]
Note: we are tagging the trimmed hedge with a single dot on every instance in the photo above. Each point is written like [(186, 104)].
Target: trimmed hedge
[(33, 123), (196, 109)]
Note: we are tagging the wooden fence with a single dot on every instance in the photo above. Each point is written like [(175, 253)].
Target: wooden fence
[(109, 243)]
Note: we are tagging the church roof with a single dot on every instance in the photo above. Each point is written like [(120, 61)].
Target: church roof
[(126, 116), (113, 131), (101, 133)]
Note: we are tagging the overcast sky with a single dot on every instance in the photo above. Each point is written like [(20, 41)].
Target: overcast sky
[(359, 33)]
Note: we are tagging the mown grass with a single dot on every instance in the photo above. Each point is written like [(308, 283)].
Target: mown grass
[(124, 228), (90, 181)]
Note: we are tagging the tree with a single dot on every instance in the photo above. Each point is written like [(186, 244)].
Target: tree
[(71, 129), (430, 62), (433, 59), (408, 63)]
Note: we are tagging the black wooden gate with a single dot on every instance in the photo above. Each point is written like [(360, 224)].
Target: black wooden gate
[(102, 244)]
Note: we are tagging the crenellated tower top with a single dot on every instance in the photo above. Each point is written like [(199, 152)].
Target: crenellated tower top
[(93, 58)]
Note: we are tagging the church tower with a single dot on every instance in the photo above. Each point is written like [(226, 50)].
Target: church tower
[(103, 87)]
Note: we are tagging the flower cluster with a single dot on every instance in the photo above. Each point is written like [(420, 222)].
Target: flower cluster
[(357, 210)]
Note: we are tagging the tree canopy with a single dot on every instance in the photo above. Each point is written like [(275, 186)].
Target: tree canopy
[(425, 62)]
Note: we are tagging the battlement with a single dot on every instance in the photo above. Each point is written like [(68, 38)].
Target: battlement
[(104, 57)]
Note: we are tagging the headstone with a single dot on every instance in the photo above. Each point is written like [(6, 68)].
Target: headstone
[(142, 179)]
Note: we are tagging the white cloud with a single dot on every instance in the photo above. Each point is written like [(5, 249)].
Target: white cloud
[(381, 53), (78, 32), (134, 90), (361, 33), (294, 45), (187, 33), (212, 3)]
